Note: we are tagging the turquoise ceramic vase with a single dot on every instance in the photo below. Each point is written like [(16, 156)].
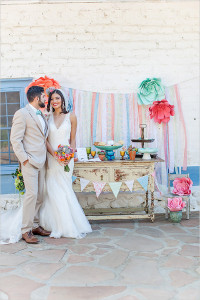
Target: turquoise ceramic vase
[(176, 216)]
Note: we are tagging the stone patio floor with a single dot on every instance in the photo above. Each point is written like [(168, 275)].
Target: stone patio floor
[(135, 260)]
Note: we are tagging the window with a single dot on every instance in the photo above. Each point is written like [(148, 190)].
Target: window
[(10, 102), (12, 96)]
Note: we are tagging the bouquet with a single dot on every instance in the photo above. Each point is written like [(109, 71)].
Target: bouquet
[(19, 181), (64, 153)]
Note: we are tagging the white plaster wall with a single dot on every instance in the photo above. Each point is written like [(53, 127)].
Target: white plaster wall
[(107, 46)]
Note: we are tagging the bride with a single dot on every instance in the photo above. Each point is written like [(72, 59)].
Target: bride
[(61, 213)]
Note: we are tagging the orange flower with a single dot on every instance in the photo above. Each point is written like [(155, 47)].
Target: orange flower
[(44, 82), (72, 155)]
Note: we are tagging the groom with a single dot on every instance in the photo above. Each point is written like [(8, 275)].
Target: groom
[(28, 138)]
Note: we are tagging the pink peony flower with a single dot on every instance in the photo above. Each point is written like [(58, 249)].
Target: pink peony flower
[(161, 111), (182, 186), (175, 204)]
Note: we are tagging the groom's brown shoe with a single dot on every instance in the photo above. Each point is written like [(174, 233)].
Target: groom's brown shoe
[(41, 231), (29, 238)]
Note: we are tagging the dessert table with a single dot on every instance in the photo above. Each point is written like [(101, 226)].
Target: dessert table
[(118, 171)]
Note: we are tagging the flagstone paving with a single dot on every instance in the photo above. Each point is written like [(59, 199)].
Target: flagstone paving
[(135, 260)]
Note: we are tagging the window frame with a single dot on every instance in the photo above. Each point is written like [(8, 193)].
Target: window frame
[(14, 85)]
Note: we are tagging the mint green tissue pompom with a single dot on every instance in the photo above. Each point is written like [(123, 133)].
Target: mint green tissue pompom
[(151, 90)]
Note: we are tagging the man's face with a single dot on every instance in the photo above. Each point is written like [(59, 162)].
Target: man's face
[(41, 101)]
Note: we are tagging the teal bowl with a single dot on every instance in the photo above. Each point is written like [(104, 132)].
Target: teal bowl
[(108, 148)]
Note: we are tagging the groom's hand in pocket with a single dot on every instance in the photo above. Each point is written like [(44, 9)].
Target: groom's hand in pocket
[(25, 162)]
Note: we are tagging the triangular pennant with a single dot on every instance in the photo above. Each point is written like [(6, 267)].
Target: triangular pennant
[(73, 178), (98, 186), (83, 182), (156, 183), (129, 184), (115, 187), (144, 181)]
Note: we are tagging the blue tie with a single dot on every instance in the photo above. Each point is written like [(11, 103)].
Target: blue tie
[(38, 112)]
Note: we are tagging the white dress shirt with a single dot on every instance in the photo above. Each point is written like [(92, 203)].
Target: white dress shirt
[(39, 116)]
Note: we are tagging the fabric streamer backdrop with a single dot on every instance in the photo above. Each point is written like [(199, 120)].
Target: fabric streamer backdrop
[(103, 117)]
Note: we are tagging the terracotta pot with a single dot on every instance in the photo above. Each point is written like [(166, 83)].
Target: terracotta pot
[(132, 155), (101, 156)]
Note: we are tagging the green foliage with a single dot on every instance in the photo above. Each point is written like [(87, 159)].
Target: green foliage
[(131, 148), (102, 152), (19, 181)]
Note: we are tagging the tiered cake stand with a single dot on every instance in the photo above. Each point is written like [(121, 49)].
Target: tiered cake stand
[(145, 153)]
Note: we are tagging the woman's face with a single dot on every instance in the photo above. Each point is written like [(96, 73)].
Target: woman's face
[(56, 101)]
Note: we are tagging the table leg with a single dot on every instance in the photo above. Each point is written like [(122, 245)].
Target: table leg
[(146, 208), (152, 207)]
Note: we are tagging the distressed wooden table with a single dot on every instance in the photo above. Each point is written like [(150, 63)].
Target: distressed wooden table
[(114, 171)]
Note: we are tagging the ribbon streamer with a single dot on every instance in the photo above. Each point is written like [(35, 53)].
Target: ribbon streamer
[(105, 116), (184, 127)]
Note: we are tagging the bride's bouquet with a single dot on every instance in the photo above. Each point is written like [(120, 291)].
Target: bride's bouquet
[(64, 153)]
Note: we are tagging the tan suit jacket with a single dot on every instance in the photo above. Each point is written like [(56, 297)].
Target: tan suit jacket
[(27, 137)]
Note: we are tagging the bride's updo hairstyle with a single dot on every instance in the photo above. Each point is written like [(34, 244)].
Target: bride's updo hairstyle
[(63, 104)]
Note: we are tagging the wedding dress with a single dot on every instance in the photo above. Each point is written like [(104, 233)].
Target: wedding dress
[(61, 212)]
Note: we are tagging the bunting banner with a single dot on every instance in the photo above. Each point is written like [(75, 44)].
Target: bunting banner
[(143, 181), (129, 184), (115, 187), (98, 187), (73, 178), (155, 183), (84, 182)]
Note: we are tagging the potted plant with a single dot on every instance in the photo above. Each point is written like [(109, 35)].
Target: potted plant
[(132, 152), (175, 206), (101, 154)]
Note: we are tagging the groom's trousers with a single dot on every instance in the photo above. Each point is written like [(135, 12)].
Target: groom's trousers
[(34, 183)]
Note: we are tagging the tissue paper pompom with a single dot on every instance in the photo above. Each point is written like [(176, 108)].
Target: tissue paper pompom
[(44, 82), (182, 186), (175, 204), (150, 90), (161, 111)]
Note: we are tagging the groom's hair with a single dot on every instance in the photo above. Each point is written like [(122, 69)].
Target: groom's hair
[(34, 91)]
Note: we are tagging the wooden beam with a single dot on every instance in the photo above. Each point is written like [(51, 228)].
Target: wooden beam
[(111, 211), (118, 217)]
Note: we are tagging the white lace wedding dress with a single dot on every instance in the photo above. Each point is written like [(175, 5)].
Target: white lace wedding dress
[(61, 212)]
